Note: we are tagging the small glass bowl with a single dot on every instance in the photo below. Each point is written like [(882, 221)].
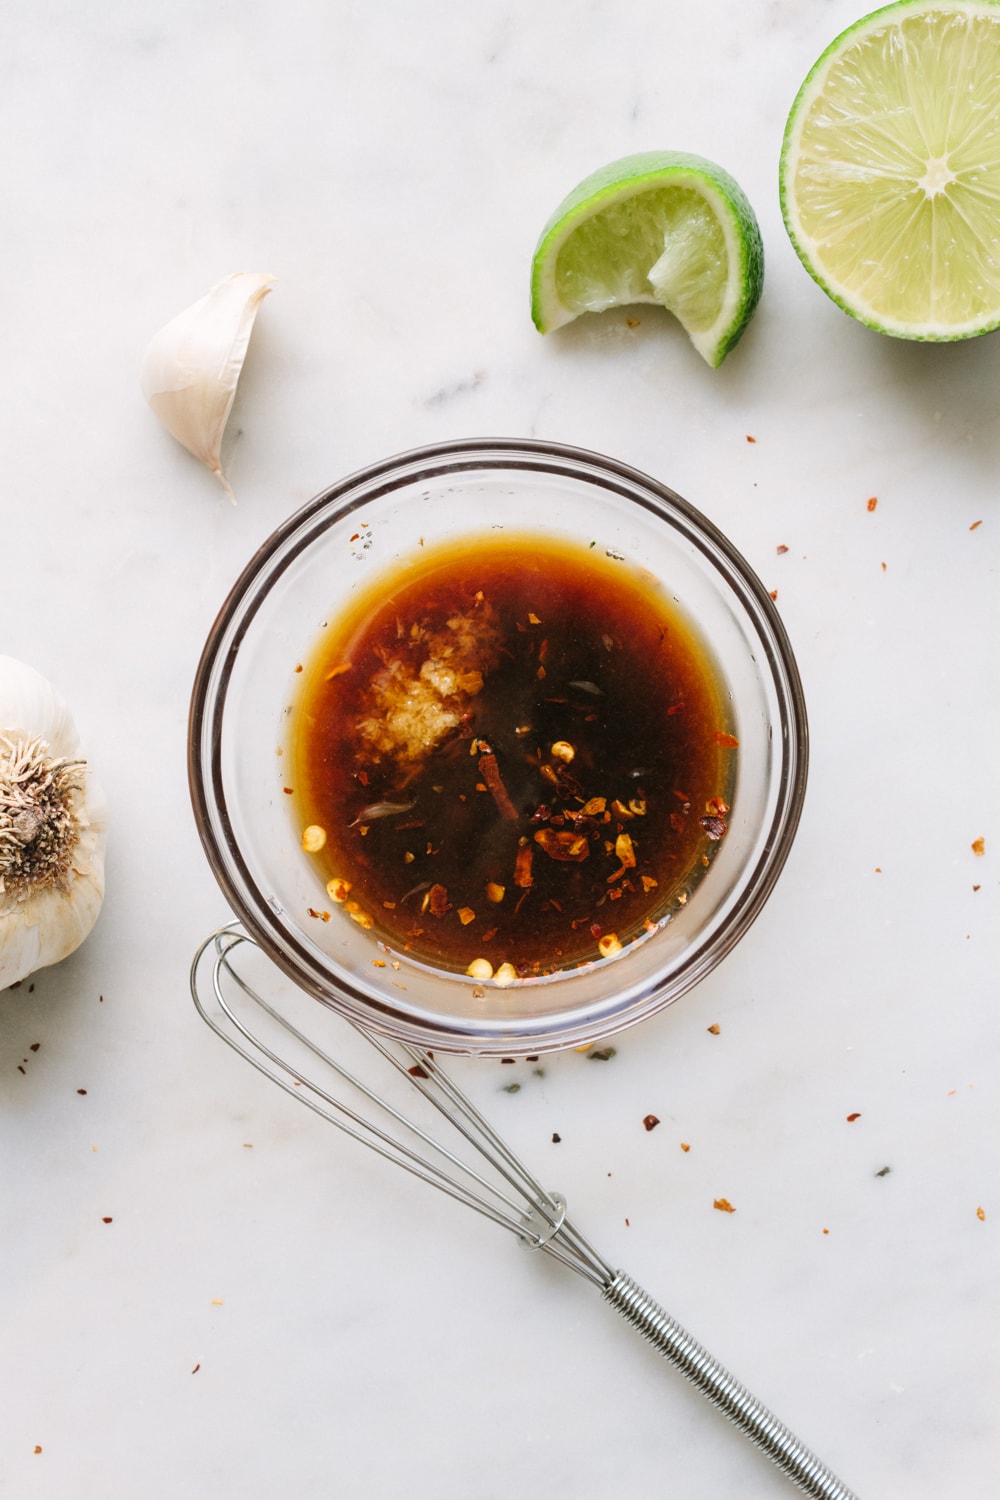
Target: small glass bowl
[(307, 573)]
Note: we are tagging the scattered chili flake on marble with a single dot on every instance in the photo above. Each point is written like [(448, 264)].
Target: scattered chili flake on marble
[(196, 1369), (883, 1171), (685, 1145), (781, 549), (856, 1116), (107, 1219), (38, 1446), (872, 502), (979, 846), (650, 1122), (724, 1206), (751, 439), (980, 1213), (974, 525), (556, 1138), (772, 594), (81, 1091), (715, 1028)]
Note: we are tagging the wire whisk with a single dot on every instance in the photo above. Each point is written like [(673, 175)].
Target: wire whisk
[(471, 1164)]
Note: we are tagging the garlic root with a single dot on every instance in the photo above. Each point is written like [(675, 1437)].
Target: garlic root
[(53, 828), (190, 369)]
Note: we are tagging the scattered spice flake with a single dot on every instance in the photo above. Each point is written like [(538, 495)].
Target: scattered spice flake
[(512, 1088), (81, 1091), (772, 594), (602, 1054), (974, 525), (38, 1447), (522, 865), (196, 1369), (217, 1302), (981, 1214), (562, 845), (107, 1219), (826, 1231), (715, 1028), (288, 791), (685, 1145), (855, 1116), (781, 549), (883, 567), (979, 846), (872, 502), (750, 439), (883, 1171), (556, 1138), (728, 741), (490, 772), (466, 915), (715, 828), (631, 323), (723, 1205), (650, 1122), (34, 1046)]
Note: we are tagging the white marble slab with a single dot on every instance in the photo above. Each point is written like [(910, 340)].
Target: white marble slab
[(267, 1311)]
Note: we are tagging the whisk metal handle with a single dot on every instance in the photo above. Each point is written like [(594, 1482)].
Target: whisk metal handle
[(753, 1418)]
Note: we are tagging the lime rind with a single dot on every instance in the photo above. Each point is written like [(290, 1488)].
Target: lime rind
[(684, 236), (901, 214)]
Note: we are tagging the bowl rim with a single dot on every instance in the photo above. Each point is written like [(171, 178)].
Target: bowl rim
[(433, 461)]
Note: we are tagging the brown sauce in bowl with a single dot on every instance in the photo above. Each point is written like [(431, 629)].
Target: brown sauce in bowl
[(515, 755)]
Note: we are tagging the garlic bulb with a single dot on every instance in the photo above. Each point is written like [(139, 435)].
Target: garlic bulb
[(53, 827), (191, 368)]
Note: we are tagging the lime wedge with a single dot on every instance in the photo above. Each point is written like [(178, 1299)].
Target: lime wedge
[(660, 227), (890, 169)]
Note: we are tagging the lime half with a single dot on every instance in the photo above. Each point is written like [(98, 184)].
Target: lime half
[(660, 227), (890, 169)]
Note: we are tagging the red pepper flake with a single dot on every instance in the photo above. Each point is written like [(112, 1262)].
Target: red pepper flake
[(196, 1369), (288, 791), (728, 741), (38, 1447), (650, 1122), (724, 1206), (856, 1116), (437, 900), (417, 1071), (522, 865), (685, 1145), (715, 1028), (772, 594), (974, 525), (980, 1214), (563, 846), (872, 502), (81, 1091), (715, 828), (490, 772), (34, 1046), (107, 1220), (751, 439), (979, 846), (781, 549)]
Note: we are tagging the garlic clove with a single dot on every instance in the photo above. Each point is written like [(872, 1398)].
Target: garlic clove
[(191, 367)]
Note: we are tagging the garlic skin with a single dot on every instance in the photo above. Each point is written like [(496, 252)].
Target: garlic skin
[(53, 827), (191, 367)]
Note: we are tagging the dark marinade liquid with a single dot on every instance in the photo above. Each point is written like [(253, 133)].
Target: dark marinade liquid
[(518, 753)]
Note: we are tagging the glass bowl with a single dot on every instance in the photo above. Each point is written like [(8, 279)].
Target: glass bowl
[(310, 570)]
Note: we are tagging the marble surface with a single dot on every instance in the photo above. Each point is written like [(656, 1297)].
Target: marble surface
[(206, 1292)]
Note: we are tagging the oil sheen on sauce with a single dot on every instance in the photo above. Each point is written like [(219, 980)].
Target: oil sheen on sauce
[(514, 755)]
